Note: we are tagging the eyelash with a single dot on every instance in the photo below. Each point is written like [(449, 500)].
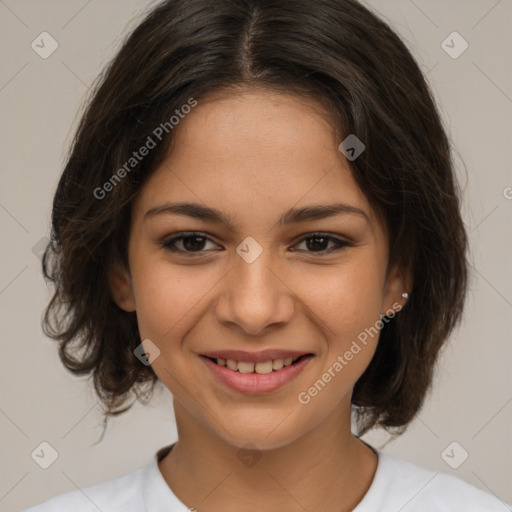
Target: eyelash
[(170, 244)]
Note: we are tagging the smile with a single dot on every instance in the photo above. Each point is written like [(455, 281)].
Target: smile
[(254, 367), (256, 377)]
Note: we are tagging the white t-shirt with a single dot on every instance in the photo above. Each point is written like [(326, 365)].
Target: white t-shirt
[(396, 486)]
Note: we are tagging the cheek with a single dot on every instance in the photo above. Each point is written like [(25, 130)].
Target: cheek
[(166, 297), (346, 305), (346, 299), (168, 301)]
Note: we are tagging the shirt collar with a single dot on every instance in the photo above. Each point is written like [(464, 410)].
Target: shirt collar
[(157, 495)]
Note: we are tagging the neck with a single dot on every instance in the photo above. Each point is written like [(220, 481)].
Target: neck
[(327, 469)]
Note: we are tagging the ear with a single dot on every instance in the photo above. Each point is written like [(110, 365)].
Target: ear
[(121, 287), (398, 281)]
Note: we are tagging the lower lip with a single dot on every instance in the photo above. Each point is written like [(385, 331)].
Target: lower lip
[(255, 383)]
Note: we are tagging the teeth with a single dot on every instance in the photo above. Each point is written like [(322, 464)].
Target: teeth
[(232, 365), (277, 364), (245, 367), (265, 367), (260, 368)]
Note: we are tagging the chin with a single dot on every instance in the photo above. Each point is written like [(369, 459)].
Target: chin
[(264, 432)]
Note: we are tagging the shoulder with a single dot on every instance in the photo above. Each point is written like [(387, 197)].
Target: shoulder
[(119, 494), (412, 488)]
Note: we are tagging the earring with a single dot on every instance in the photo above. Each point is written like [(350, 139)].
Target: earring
[(405, 295)]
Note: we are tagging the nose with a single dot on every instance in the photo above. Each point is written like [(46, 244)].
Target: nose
[(255, 296)]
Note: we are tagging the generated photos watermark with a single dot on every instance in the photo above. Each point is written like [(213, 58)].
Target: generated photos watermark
[(344, 359), (137, 156)]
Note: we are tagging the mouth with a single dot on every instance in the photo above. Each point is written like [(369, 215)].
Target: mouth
[(256, 373), (259, 367)]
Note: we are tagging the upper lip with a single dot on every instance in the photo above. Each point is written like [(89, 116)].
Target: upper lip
[(256, 357)]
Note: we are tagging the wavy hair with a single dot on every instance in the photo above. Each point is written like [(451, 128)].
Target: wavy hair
[(335, 52)]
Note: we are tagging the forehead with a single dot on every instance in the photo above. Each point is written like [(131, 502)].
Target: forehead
[(254, 152)]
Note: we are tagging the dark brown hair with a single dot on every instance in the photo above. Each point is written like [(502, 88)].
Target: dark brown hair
[(337, 53)]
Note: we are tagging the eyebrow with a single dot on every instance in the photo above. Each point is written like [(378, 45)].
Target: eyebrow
[(294, 215)]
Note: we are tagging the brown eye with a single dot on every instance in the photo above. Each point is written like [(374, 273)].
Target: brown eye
[(195, 243), (319, 242), (187, 243)]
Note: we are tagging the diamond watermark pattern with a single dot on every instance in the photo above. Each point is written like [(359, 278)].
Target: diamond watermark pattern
[(249, 249), (45, 455), (351, 147), (249, 455), (147, 352), (39, 248), (454, 45), (454, 455), (44, 45)]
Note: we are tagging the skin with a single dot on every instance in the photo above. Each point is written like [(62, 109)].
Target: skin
[(254, 155)]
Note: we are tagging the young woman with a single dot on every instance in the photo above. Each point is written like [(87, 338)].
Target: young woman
[(259, 212)]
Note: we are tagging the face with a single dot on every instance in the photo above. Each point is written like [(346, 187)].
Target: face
[(262, 269)]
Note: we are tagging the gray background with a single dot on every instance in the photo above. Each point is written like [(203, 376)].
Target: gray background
[(39, 101)]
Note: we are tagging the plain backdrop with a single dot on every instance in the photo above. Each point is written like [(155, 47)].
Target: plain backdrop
[(469, 412)]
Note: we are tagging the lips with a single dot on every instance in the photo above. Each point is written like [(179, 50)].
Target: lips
[(254, 357), (256, 372)]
